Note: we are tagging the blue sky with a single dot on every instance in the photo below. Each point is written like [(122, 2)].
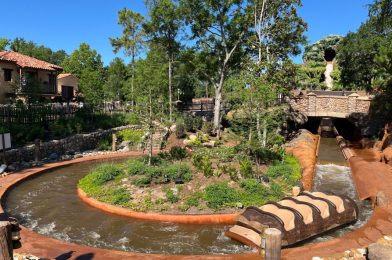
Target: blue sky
[(65, 24)]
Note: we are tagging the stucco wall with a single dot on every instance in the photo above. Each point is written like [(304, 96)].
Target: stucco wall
[(6, 86), (70, 81)]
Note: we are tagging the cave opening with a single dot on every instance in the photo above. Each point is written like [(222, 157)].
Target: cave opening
[(329, 54)]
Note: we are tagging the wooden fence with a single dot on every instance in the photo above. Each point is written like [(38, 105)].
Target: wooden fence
[(36, 113)]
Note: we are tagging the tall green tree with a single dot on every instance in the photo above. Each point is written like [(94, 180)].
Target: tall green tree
[(131, 40), (278, 30), (163, 29), (86, 64), (115, 84), (152, 74), (219, 27), (37, 51), (362, 55), (4, 43)]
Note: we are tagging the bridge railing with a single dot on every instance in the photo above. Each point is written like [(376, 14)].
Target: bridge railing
[(327, 105)]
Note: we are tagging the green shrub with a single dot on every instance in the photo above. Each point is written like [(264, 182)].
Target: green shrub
[(134, 136), (105, 173), (178, 153), (142, 181), (132, 119), (136, 167), (155, 159), (253, 186), (105, 144), (203, 163), (164, 155), (194, 199), (265, 155), (174, 171), (192, 124), (253, 193), (171, 197), (120, 196), (180, 131), (207, 127), (289, 170), (219, 195), (246, 170), (276, 192)]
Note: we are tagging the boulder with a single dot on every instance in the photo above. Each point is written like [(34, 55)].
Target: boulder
[(379, 252), (53, 156), (192, 138), (387, 155), (173, 128), (123, 144)]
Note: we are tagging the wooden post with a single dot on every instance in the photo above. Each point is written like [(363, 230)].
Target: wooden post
[(5, 241), (114, 142), (37, 153), (273, 243)]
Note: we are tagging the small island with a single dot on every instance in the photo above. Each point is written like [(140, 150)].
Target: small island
[(200, 180)]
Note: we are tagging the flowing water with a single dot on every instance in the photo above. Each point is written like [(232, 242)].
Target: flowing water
[(333, 175), (48, 204)]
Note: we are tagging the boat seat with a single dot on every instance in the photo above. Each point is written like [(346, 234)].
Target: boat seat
[(321, 205), (247, 233), (338, 202), (304, 210), (285, 215)]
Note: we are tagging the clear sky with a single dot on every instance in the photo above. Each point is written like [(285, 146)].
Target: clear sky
[(65, 24)]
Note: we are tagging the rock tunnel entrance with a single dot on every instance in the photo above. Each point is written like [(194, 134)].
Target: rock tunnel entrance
[(343, 126), (329, 54)]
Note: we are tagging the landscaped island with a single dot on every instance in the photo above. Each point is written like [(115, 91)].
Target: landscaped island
[(211, 180)]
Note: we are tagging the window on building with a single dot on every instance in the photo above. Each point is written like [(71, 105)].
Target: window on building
[(7, 74)]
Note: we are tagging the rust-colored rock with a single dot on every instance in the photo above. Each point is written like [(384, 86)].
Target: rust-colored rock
[(305, 148), (387, 155)]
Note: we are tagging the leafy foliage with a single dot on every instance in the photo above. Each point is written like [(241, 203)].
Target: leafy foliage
[(219, 195), (134, 136), (178, 153)]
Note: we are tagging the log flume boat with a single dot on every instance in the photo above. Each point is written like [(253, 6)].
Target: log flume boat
[(298, 218)]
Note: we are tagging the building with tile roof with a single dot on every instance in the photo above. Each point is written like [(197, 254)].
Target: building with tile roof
[(17, 71)]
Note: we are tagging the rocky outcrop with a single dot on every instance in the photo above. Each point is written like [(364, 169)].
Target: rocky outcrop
[(305, 147)]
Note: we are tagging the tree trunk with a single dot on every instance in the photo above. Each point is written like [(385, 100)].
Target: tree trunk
[(258, 128), (150, 130), (5, 241), (218, 101), (133, 83), (264, 133), (217, 106), (170, 88)]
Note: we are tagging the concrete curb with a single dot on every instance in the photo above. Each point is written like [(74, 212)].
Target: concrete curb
[(228, 219)]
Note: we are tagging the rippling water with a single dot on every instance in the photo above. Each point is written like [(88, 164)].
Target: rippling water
[(48, 204), (332, 175)]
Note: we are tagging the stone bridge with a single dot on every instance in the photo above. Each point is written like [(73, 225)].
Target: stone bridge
[(335, 104)]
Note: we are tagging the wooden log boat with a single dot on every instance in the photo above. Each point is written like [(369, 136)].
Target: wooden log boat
[(298, 218)]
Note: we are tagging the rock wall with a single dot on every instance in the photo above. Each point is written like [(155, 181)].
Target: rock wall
[(305, 148), (331, 106), (72, 144)]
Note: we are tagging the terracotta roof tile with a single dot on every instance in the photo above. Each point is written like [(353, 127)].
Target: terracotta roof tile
[(64, 75), (25, 61)]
